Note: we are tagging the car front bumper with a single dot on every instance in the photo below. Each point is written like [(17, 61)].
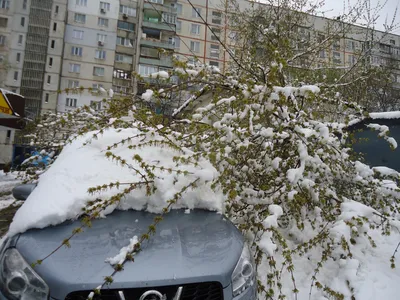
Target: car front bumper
[(249, 294)]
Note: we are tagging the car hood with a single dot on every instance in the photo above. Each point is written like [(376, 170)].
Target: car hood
[(187, 247)]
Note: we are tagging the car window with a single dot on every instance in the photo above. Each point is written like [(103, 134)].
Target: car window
[(375, 150)]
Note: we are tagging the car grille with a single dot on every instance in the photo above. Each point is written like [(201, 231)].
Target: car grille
[(194, 291)]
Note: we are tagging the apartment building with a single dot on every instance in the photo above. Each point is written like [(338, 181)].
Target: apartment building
[(196, 41), (89, 52)]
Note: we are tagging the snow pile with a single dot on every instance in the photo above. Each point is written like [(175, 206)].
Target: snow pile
[(160, 74), (62, 191), (385, 115), (7, 183), (146, 96), (367, 275)]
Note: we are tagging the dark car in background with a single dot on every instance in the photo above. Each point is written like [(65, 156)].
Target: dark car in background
[(375, 150)]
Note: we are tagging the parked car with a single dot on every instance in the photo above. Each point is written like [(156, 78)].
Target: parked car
[(198, 255)]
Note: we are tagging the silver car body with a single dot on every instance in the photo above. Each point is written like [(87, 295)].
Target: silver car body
[(198, 250)]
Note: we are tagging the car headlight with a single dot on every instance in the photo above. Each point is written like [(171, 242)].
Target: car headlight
[(18, 280), (244, 274)]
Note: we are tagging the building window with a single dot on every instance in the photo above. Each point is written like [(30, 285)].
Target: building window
[(196, 12), (5, 4), (53, 44), (121, 74), (105, 6), (178, 25), (20, 39), (169, 18), (214, 51), (176, 41), (71, 102), (2, 39), (73, 84), (123, 58), (18, 59), (96, 86), (195, 29), (336, 44), (50, 61), (215, 34), (130, 11), (48, 79), (145, 70), (75, 68), (16, 75), (216, 17), (3, 22), (392, 42), (55, 26), (194, 46), (56, 9), (350, 45), (77, 34), (336, 57), (214, 63), (80, 18), (322, 53), (102, 22), (101, 37), (96, 105), (98, 71), (22, 21), (126, 26), (100, 54), (24, 4), (120, 89), (46, 98), (124, 42), (179, 8), (351, 60), (81, 2), (76, 51)]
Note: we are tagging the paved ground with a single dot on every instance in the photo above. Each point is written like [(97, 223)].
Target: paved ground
[(8, 205)]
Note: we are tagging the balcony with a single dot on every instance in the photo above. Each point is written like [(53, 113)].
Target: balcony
[(162, 62), (160, 7), (157, 44), (159, 25)]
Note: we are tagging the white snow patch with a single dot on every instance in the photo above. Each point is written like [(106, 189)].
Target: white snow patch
[(62, 190), (146, 96), (120, 257)]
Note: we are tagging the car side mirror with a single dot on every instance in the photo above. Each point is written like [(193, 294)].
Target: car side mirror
[(22, 192)]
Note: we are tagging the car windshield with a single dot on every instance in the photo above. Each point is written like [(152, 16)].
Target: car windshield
[(376, 150)]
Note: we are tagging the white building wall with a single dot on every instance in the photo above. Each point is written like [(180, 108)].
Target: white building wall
[(87, 61), (6, 147)]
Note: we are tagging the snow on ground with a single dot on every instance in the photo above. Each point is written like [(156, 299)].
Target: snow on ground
[(62, 190), (7, 183), (369, 271)]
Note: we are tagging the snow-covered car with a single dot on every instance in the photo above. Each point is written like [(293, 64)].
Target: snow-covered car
[(193, 255)]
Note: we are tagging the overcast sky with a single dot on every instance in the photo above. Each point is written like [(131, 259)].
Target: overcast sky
[(335, 7)]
